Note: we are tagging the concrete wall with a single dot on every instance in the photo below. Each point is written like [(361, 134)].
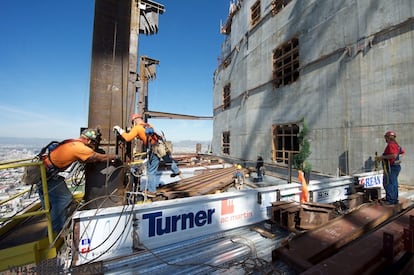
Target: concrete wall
[(356, 81)]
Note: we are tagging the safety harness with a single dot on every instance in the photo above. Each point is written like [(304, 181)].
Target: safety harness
[(32, 175), (44, 155), (386, 164)]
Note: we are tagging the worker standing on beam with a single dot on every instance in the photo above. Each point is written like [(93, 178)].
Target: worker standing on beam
[(157, 150), (259, 168), (391, 165), (59, 159)]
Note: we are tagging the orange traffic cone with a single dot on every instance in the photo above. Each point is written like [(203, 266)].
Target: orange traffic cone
[(304, 193)]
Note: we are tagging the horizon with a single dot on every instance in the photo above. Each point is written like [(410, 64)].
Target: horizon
[(10, 140)]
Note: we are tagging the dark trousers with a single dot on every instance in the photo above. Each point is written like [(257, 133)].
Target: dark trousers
[(59, 198), (390, 183)]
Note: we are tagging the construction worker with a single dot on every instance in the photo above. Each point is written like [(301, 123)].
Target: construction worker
[(259, 169), (239, 177), (59, 159), (391, 164), (146, 133)]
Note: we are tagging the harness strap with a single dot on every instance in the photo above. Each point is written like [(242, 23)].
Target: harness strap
[(47, 161)]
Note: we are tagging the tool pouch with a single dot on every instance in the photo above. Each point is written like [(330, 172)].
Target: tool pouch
[(160, 150)]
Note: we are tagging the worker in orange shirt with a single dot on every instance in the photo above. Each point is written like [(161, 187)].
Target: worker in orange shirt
[(59, 159), (146, 133)]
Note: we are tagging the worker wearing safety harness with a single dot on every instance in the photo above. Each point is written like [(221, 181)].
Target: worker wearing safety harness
[(157, 150), (391, 165), (66, 153)]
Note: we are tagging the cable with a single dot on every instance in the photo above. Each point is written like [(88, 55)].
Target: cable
[(111, 233), (251, 263)]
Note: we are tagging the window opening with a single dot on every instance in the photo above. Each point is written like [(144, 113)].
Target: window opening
[(227, 62), (255, 13), (285, 142), (226, 97), (226, 143), (278, 5), (286, 63)]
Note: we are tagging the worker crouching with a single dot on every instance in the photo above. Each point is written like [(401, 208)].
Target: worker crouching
[(59, 159)]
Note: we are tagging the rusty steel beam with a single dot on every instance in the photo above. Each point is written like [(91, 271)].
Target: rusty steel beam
[(320, 251), (206, 183), (409, 236), (376, 253), (284, 213), (164, 115), (200, 180), (110, 66), (313, 246), (292, 215), (312, 215), (113, 85)]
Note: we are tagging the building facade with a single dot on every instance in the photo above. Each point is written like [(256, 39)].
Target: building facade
[(343, 68)]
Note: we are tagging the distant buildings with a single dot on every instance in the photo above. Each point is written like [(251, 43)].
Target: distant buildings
[(343, 67), (10, 184)]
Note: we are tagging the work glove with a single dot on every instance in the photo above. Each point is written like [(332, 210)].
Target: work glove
[(119, 129), (149, 131)]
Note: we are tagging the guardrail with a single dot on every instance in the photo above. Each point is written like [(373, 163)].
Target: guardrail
[(46, 210)]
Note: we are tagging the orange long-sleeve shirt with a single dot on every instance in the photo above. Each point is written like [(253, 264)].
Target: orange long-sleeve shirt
[(138, 131), (67, 153)]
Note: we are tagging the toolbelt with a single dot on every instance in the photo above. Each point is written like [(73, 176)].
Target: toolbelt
[(32, 175), (51, 169), (161, 149), (397, 160)]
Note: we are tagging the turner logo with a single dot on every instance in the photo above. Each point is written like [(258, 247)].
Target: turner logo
[(159, 225)]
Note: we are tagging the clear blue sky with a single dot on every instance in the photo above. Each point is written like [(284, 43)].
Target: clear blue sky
[(45, 57)]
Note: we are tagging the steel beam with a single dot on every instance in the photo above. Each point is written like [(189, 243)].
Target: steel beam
[(321, 251)]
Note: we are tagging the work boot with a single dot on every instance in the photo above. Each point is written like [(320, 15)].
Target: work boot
[(175, 174)]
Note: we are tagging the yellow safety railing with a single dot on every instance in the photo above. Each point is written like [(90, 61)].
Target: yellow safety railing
[(46, 210), (138, 158)]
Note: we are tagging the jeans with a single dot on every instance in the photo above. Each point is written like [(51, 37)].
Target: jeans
[(152, 168), (390, 183), (59, 198), (259, 174)]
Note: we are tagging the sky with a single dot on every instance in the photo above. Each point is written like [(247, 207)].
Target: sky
[(45, 61)]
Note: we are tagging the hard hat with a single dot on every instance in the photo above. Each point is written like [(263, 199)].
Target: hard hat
[(91, 134), (135, 116), (390, 134), (239, 166)]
